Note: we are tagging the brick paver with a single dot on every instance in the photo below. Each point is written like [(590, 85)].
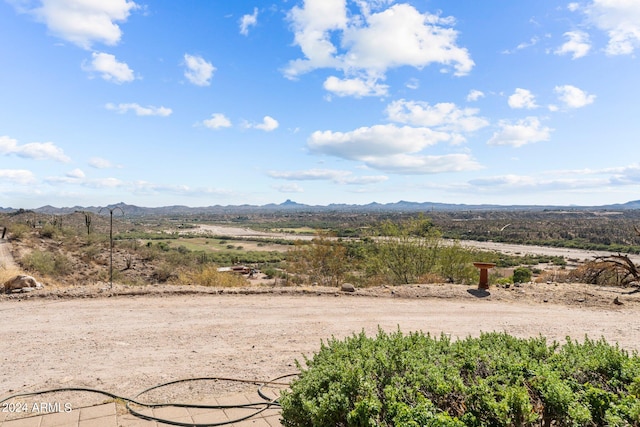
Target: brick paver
[(110, 415)]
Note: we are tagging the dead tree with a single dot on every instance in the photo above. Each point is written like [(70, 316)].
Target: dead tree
[(619, 266)]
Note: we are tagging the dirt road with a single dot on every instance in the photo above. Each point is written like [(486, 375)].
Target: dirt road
[(6, 260), (126, 344)]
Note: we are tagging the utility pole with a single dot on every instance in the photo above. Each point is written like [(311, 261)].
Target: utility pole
[(111, 210)]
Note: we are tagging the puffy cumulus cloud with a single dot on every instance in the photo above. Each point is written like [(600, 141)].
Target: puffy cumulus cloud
[(522, 132), (573, 97), (375, 141), (100, 163), (371, 42), (268, 124), (336, 176), (391, 148), (248, 21), (82, 22), (443, 116), (474, 95), (33, 150), (312, 25), (217, 121), (199, 71), (400, 35), (355, 87), (578, 44), (109, 68), (17, 176), (139, 110), (522, 98), (620, 19)]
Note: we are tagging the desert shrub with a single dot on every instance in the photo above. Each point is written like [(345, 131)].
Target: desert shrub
[(521, 275), (90, 253), (324, 261), (49, 231), (407, 250), (493, 380), (54, 265), (164, 273), (455, 264), (18, 231), (210, 276)]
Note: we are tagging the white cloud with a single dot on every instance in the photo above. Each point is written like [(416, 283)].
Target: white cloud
[(443, 116), (139, 110), (17, 176), (268, 124), (356, 87), (100, 163), (532, 42), (420, 165), (376, 141), (413, 83), (335, 176), (75, 176), (248, 21), (391, 148), (82, 22), (33, 150), (289, 188), (217, 121), (76, 173), (312, 25), (525, 131), (371, 42), (522, 98), (572, 97), (199, 72), (109, 68), (474, 95), (620, 19), (401, 36), (578, 44)]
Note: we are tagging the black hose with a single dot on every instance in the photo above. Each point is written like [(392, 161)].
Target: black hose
[(259, 406)]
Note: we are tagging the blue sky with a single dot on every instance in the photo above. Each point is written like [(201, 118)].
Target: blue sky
[(203, 103)]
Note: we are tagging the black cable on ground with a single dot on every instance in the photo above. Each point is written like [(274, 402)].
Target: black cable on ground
[(260, 406)]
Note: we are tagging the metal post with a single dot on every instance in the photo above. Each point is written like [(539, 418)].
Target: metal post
[(111, 243)]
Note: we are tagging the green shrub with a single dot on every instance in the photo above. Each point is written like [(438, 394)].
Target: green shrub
[(494, 380), (54, 265), (521, 275), (48, 231)]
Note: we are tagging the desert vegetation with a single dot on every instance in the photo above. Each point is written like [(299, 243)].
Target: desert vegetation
[(362, 249), (493, 380)]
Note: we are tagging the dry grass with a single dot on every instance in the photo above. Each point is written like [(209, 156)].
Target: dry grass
[(210, 276), (7, 273)]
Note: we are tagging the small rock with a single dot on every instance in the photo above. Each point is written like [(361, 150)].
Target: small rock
[(616, 301), (347, 287)]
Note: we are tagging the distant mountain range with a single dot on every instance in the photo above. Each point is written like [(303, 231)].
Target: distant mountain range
[(289, 205)]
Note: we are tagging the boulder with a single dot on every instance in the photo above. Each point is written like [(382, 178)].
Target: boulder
[(347, 287), (21, 283)]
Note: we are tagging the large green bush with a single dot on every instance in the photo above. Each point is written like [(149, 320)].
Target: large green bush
[(494, 380)]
